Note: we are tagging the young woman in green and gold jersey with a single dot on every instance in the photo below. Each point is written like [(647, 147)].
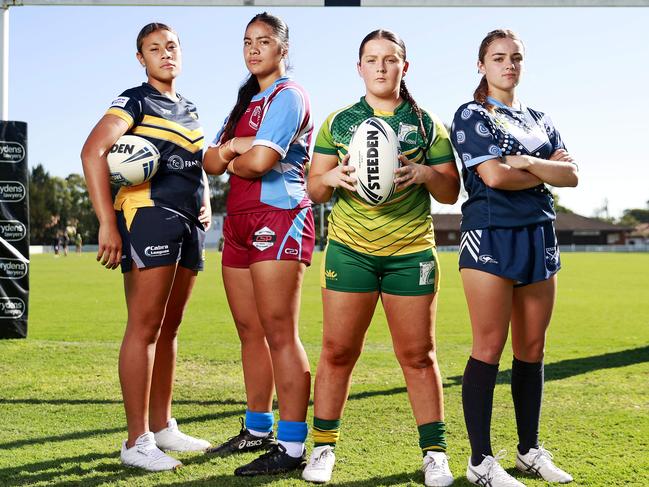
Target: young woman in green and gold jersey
[(385, 252)]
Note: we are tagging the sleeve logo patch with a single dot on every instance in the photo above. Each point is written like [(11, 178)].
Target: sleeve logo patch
[(120, 101)]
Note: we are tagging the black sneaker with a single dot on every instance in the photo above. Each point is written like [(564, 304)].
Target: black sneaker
[(242, 443), (274, 461)]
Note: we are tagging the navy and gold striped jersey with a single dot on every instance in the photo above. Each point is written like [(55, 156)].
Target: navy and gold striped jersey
[(173, 127)]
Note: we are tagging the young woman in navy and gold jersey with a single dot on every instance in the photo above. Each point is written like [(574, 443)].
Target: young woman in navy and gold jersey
[(508, 253), (156, 231), (382, 252), (269, 238)]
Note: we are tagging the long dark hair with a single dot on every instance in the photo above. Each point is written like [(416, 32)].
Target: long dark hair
[(482, 91), (251, 86), (403, 89), (150, 29)]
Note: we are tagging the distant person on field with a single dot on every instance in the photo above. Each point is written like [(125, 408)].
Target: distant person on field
[(65, 242), (384, 252), (509, 255), (269, 238), (156, 231), (78, 242)]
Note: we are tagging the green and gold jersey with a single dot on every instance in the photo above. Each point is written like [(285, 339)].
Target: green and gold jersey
[(403, 224)]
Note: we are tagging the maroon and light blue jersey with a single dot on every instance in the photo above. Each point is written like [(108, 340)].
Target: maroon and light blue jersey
[(280, 118)]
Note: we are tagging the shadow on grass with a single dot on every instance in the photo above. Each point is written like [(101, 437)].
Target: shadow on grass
[(576, 366), (77, 435), (75, 402)]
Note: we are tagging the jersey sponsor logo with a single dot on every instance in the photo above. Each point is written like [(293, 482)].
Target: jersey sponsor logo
[(11, 152), (12, 268), (263, 239), (487, 259), (157, 250), (120, 101), (11, 191), (12, 308), (177, 163), (331, 275), (427, 273), (290, 251), (407, 133), (12, 230), (255, 118)]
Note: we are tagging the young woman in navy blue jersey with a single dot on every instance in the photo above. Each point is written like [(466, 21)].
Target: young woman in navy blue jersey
[(172, 213), (508, 253)]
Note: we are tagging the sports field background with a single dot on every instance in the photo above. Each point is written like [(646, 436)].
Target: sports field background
[(61, 417)]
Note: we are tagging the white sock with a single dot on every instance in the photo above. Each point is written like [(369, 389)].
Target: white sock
[(294, 449), (259, 434)]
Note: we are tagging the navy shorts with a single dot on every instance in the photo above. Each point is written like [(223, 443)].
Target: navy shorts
[(524, 254), (157, 236)]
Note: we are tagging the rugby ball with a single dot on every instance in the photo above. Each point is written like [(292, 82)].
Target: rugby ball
[(374, 153), (132, 160)]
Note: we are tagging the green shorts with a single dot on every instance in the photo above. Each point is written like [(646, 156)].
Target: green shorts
[(344, 269)]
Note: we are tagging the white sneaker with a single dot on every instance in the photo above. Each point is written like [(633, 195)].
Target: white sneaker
[(436, 471), (145, 454), (538, 461), (490, 474), (171, 438), (320, 466)]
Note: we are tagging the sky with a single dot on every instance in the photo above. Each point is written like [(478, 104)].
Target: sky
[(585, 67)]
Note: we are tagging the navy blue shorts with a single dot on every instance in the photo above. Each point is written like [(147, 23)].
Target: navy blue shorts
[(524, 254), (158, 236)]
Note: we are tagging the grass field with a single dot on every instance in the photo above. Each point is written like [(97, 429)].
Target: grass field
[(62, 420)]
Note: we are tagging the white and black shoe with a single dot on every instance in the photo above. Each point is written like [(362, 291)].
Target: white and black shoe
[(146, 455), (436, 470), (490, 474), (538, 462), (320, 466)]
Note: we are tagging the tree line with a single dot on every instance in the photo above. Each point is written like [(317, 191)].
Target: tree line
[(58, 205)]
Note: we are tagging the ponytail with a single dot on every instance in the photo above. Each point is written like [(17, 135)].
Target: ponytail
[(249, 89), (481, 92), (405, 94)]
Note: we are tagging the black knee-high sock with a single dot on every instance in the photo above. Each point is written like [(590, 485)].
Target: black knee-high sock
[(527, 392), (478, 386)]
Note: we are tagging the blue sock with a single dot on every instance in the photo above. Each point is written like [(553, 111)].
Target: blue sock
[(294, 431), (262, 422)]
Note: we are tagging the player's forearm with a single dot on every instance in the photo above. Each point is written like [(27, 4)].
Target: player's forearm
[(317, 191), (556, 173), (445, 188), (97, 177), (502, 176)]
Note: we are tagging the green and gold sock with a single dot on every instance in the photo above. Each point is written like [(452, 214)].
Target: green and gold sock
[(432, 437), (325, 431)]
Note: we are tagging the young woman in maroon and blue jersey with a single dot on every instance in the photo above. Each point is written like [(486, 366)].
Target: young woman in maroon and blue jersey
[(269, 238), (508, 254)]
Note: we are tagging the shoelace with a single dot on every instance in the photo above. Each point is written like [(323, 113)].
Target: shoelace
[(492, 471), (322, 457), (542, 455), (433, 465)]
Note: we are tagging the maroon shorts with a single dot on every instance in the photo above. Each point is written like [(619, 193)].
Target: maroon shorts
[(268, 235)]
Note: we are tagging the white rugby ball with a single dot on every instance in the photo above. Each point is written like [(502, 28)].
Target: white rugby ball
[(132, 160), (374, 153)]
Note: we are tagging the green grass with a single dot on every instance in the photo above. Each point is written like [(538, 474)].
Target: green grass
[(62, 420)]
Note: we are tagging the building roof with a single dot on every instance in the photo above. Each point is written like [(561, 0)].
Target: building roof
[(449, 222)]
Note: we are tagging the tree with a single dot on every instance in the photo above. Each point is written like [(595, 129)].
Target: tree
[(635, 216)]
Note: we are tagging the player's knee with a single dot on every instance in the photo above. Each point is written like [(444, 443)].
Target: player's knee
[(416, 357), (339, 354), (249, 331), (532, 351), (279, 340)]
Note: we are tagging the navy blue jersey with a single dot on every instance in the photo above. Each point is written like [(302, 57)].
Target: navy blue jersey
[(173, 127), (479, 135)]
